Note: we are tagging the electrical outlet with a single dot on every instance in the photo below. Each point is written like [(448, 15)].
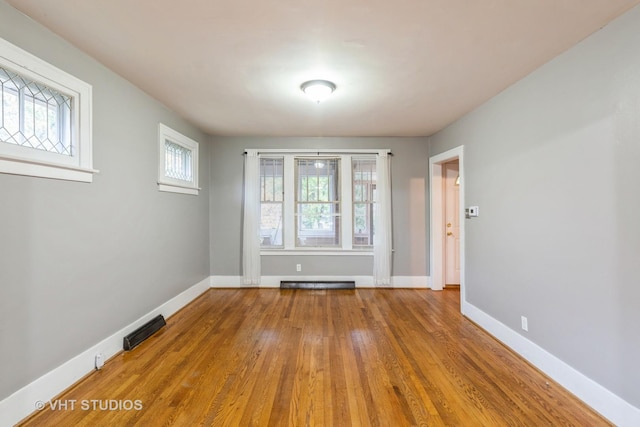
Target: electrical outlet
[(99, 360), (298, 267), (525, 323)]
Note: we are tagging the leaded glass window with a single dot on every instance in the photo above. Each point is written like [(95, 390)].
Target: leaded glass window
[(178, 162), (34, 115), (178, 166)]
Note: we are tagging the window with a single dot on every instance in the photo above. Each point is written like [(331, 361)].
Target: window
[(178, 165), (364, 196), (317, 202), (34, 115), (45, 119), (271, 202)]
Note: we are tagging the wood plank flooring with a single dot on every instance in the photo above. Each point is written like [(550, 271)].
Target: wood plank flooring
[(364, 357)]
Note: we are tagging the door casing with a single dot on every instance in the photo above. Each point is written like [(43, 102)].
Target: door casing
[(436, 213)]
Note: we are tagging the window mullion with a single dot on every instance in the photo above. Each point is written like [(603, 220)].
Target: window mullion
[(21, 113), (346, 205), (289, 202)]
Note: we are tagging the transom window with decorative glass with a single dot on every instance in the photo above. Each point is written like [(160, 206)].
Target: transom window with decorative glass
[(34, 115), (178, 162), (317, 202), (45, 119)]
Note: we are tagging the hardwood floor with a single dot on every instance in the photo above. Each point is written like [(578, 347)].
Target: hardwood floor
[(364, 357)]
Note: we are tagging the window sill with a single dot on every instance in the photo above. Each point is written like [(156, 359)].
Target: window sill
[(27, 167), (315, 252), (178, 189)]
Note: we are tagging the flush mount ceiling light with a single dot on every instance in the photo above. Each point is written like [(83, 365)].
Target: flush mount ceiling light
[(318, 90)]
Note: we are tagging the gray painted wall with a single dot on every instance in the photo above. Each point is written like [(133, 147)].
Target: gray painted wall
[(552, 162), (409, 171), (80, 261)]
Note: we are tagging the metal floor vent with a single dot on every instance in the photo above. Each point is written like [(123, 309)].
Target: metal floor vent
[(285, 284), (136, 337)]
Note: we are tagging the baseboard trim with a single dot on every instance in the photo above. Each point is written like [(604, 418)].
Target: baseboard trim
[(415, 282), (22, 403), (612, 407), (227, 282)]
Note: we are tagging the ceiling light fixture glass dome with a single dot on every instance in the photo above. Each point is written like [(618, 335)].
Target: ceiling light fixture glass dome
[(318, 90)]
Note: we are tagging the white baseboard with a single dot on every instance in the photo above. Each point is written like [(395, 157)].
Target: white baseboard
[(227, 282), (23, 402), (612, 407), (418, 282)]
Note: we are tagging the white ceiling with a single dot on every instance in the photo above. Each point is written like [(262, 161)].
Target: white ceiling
[(402, 68)]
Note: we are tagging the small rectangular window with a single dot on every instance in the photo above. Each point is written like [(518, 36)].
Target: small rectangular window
[(271, 202), (178, 165), (34, 115), (178, 162), (45, 119)]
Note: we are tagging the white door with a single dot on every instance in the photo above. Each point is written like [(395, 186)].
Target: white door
[(452, 223)]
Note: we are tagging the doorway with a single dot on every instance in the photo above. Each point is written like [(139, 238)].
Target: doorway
[(441, 168), (451, 184)]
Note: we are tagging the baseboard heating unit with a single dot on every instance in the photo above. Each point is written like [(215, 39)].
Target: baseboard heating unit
[(136, 337), (286, 284)]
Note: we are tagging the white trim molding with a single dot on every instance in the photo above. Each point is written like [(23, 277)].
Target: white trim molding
[(315, 252), (23, 402), (436, 197), (415, 282), (609, 405), (227, 282), (318, 151)]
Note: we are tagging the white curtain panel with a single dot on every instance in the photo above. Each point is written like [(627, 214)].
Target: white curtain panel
[(382, 242), (251, 222)]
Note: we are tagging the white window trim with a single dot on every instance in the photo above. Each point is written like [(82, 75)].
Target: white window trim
[(20, 160), (346, 202), (172, 185), (316, 252)]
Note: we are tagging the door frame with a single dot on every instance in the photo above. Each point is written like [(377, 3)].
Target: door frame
[(436, 213), (450, 171)]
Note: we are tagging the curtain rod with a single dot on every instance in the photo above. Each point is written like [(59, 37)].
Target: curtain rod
[(321, 151)]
